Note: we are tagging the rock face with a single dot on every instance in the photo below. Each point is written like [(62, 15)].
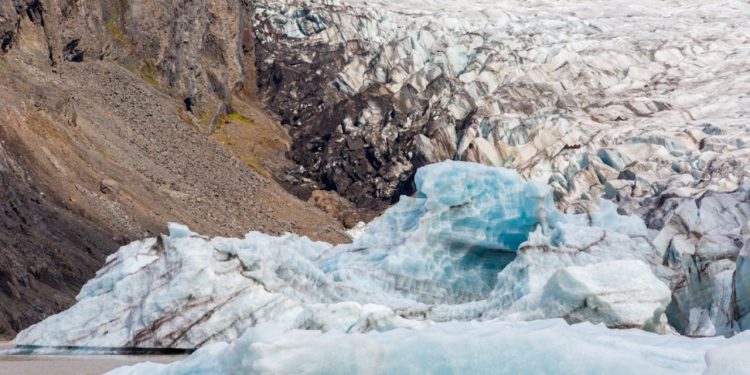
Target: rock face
[(622, 105), (46, 251), (205, 51), (201, 53), (336, 206), (98, 146)]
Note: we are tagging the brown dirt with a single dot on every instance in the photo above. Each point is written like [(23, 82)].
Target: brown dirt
[(65, 132), (254, 137)]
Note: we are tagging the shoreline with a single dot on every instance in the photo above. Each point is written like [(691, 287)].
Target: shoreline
[(63, 364)]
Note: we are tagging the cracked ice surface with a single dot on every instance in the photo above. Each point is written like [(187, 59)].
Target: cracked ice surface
[(475, 242), (644, 104), (631, 99)]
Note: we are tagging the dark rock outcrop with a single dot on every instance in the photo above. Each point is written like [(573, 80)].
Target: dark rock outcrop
[(46, 251)]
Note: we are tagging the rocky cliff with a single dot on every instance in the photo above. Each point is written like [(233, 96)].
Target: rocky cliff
[(202, 52), (117, 117)]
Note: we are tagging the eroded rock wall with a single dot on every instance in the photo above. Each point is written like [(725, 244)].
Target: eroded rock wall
[(201, 52)]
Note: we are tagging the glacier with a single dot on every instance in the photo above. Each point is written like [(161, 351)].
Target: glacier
[(642, 104), (474, 243), (489, 347), (634, 100), (701, 241)]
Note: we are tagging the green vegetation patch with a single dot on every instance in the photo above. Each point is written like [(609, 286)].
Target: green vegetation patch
[(256, 165), (239, 118), (148, 72)]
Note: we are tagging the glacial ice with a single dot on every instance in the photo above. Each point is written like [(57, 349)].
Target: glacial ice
[(648, 97), (701, 242), (618, 293), (602, 246), (446, 244), (742, 285), (475, 242), (489, 347), (643, 103)]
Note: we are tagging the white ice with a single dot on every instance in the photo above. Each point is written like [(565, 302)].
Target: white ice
[(489, 347), (475, 242)]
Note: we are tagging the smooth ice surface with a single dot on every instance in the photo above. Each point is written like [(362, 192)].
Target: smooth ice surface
[(490, 347), (476, 242)]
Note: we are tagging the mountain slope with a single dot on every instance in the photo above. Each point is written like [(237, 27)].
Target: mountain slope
[(97, 150)]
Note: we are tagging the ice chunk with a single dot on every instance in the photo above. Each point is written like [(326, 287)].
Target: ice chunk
[(196, 291), (742, 287), (179, 231), (447, 243), (619, 293), (702, 242), (128, 260), (474, 242), (550, 258), (540, 347)]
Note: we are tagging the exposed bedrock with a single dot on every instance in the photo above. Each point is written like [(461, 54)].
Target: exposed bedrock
[(104, 106), (46, 252), (201, 53)]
